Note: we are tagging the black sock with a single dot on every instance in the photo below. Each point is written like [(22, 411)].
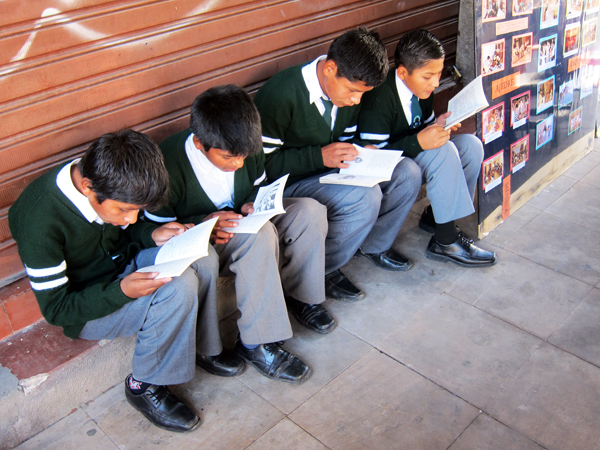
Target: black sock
[(446, 233), (137, 387)]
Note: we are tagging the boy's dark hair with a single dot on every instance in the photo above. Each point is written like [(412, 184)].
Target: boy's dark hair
[(225, 117), (360, 55), (416, 48), (127, 167)]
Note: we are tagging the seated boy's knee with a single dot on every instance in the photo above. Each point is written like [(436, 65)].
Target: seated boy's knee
[(408, 174)]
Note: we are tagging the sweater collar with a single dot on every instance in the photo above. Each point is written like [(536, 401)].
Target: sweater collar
[(80, 201)]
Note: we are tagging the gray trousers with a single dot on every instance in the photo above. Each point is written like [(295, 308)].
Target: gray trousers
[(172, 324), (254, 260), (369, 218), (450, 173), (302, 231)]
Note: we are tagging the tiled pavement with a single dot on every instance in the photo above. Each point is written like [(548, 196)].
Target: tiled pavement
[(440, 357)]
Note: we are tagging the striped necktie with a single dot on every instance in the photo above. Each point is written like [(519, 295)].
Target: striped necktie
[(327, 114), (416, 111)]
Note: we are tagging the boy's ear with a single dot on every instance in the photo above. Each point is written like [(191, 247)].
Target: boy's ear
[(402, 72), (330, 68), (197, 143), (86, 186)]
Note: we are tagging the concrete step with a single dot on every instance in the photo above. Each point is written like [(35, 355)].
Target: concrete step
[(44, 375)]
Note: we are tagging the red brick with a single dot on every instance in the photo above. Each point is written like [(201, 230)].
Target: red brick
[(5, 329), (22, 310)]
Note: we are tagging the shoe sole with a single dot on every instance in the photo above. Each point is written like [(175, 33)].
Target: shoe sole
[(302, 380), (221, 374), (387, 268), (445, 259), (316, 330), (163, 427), (357, 298)]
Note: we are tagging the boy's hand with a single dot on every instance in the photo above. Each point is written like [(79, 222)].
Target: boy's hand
[(433, 136), (441, 120), (138, 284), (248, 208), (225, 219), (336, 153), (165, 232)]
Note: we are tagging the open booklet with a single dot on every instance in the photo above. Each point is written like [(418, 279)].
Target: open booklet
[(180, 251), (467, 102), (369, 168), (268, 203)]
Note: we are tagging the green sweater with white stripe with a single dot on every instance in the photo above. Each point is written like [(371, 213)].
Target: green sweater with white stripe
[(188, 203), (72, 264), (294, 130), (382, 115)]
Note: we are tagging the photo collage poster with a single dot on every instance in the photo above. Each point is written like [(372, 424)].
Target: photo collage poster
[(540, 65)]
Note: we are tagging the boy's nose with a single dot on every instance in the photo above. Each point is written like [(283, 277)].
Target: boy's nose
[(131, 217)]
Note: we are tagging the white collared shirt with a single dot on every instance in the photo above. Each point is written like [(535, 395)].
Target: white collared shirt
[(65, 184), (315, 93), (217, 185), (406, 95)]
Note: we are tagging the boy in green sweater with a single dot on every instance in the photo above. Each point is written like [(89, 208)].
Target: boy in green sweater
[(399, 115), (215, 170), (309, 114), (77, 233)]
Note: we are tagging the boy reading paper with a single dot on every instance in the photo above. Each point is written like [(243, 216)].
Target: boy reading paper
[(77, 232), (399, 115), (215, 169)]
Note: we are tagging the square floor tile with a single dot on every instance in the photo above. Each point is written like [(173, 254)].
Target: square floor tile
[(232, 418), (327, 355), (530, 296), (89, 436), (592, 177), (286, 435), (561, 245), (586, 164), (507, 229), (554, 401), (486, 433), (56, 431), (380, 404), (391, 299), (581, 205), (551, 192), (580, 333), (461, 348)]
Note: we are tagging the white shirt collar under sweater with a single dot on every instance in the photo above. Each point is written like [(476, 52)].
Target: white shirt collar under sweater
[(217, 185), (65, 184), (405, 95), (315, 93)]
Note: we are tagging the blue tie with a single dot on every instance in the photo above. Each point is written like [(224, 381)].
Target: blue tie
[(327, 114), (416, 111)]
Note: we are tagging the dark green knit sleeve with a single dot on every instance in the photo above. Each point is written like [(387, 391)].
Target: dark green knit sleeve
[(283, 157), (378, 123), (42, 250)]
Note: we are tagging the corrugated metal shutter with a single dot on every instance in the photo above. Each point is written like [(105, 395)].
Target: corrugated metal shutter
[(73, 70)]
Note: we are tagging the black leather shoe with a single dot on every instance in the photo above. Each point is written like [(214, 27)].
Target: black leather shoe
[(426, 222), (462, 252), (313, 317), (226, 364), (274, 362), (389, 260), (163, 408), (338, 287)]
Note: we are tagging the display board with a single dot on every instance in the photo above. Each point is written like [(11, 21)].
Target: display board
[(539, 64)]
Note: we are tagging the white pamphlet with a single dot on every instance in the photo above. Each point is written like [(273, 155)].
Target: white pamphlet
[(467, 102), (369, 168), (180, 251), (268, 203)]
